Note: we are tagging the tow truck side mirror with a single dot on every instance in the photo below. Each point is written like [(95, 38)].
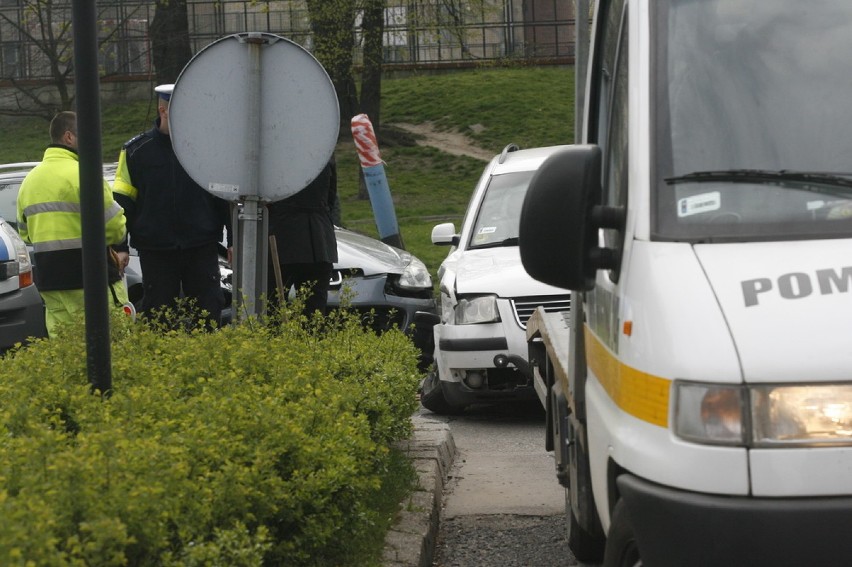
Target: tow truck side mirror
[(560, 219)]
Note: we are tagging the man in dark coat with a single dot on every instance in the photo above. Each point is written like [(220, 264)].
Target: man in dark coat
[(304, 234)]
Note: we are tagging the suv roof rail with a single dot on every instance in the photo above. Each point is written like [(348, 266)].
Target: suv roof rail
[(506, 150)]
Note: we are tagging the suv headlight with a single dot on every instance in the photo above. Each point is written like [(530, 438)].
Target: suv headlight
[(482, 309), (764, 415), (415, 276)]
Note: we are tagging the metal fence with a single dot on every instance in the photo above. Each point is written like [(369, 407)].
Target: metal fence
[(31, 40), (417, 32)]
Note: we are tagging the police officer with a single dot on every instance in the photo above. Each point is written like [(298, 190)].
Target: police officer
[(49, 219), (307, 246), (174, 224)]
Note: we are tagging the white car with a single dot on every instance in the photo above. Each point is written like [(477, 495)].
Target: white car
[(486, 295)]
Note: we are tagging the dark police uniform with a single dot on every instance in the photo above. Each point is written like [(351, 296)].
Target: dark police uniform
[(174, 224), (304, 233)]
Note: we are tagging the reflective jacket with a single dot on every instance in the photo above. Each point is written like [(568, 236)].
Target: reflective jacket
[(165, 208), (49, 219)]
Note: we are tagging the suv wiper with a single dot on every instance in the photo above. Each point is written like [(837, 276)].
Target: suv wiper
[(766, 176), (497, 244)]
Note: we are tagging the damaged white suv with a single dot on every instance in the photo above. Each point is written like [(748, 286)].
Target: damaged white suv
[(486, 295)]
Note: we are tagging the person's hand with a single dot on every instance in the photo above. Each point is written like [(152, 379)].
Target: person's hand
[(123, 260)]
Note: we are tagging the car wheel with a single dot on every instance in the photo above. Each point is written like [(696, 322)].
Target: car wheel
[(432, 396), (621, 548)]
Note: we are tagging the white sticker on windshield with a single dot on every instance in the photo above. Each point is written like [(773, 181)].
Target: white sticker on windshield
[(698, 204), (487, 230)]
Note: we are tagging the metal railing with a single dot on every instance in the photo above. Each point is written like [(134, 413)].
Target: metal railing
[(417, 32)]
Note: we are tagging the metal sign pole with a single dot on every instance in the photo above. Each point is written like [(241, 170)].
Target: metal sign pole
[(251, 222)]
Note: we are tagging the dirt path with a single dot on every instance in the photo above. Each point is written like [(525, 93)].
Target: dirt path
[(451, 142)]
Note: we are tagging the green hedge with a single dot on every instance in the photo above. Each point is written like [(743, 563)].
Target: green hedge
[(252, 445)]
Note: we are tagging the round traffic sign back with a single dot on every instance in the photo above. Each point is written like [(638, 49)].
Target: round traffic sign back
[(253, 114)]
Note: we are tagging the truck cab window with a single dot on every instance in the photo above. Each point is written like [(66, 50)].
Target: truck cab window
[(616, 153), (604, 72), (610, 102)]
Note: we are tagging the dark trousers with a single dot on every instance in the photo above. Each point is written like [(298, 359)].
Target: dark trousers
[(192, 273), (313, 276)]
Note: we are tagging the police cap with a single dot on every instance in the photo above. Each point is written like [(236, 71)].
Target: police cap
[(164, 91)]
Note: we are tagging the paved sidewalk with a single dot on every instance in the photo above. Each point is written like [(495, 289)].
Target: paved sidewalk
[(411, 541)]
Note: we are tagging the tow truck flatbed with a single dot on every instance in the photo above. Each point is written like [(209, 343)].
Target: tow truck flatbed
[(552, 331)]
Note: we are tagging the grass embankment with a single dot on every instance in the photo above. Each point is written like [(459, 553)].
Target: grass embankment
[(493, 107)]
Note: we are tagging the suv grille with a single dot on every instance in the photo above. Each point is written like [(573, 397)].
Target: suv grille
[(525, 306)]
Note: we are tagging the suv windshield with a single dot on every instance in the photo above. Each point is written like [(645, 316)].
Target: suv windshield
[(753, 136), (499, 215)]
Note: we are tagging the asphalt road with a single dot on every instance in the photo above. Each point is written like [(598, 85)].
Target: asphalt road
[(502, 504)]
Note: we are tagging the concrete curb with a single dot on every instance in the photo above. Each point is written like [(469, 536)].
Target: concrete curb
[(411, 540)]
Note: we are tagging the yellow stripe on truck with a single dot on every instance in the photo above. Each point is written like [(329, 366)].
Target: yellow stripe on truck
[(642, 395)]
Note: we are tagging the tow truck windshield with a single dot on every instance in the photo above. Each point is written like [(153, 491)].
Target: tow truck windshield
[(753, 123)]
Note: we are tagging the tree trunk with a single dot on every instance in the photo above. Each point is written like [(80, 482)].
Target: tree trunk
[(170, 46), (332, 23), (371, 81)]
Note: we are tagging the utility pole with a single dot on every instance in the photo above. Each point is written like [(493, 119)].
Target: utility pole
[(87, 94)]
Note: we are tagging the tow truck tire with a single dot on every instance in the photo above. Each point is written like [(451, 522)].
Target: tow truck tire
[(586, 547), (432, 396), (621, 548)]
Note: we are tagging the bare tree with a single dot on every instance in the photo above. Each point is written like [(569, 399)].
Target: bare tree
[(332, 24), (337, 26), (45, 47), (373, 26)]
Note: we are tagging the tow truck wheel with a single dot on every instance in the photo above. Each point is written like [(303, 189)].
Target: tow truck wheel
[(586, 547), (621, 548), (432, 396)]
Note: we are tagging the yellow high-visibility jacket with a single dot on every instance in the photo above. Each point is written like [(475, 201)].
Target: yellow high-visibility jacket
[(49, 219)]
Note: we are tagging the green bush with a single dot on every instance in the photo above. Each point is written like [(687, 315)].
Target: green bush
[(252, 445)]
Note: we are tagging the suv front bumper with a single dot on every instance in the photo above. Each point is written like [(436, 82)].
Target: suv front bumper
[(483, 362)]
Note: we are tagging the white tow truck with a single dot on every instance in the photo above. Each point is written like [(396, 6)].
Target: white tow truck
[(699, 396)]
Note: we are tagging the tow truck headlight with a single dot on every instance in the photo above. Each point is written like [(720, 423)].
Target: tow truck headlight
[(796, 415), (481, 309), (707, 413), (764, 416)]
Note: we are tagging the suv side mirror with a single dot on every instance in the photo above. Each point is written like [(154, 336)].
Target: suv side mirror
[(561, 217), (444, 234)]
